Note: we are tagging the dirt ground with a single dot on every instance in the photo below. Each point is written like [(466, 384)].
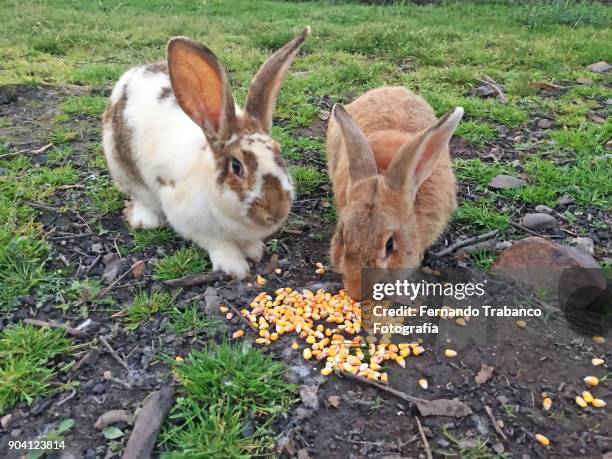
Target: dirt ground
[(545, 357)]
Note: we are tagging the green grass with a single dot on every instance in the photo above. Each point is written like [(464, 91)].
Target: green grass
[(481, 215), (307, 179), (152, 238), (146, 305), (84, 105), (105, 199), (26, 367), (223, 389), (190, 319), (185, 261)]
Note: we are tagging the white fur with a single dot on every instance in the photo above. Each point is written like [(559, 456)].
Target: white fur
[(167, 143)]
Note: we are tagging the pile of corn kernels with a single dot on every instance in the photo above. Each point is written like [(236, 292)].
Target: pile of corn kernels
[(329, 325)]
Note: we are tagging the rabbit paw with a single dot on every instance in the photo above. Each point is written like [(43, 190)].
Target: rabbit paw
[(229, 259), (139, 216), (253, 250)]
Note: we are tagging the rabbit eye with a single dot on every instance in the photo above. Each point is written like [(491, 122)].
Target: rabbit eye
[(237, 168), (389, 247)]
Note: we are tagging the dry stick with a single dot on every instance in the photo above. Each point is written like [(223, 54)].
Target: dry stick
[(397, 393), (42, 323), (73, 236), (424, 438), (196, 279), (148, 424), (494, 421), (491, 82), (463, 243), (104, 292), (527, 230), (121, 362), (92, 265), (244, 319)]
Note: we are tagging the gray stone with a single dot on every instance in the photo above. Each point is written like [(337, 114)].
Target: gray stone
[(506, 182), (542, 209), (545, 123), (585, 243), (600, 67), (585, 81), (565, 200), (538, 221)]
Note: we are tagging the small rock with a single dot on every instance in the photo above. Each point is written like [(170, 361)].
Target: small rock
[(609, 145), (600, 67), (90, 453), (518, 139), (97, 247), (486, 90), (503, 399), (584, 243), (539, 134), (545, 123), (498, 448), (506, 182), (585, 81), (5, 421), (565, 200), (113, 264), (99, 389), (15, 433), (303, 454), (211, 300), (538, 221), (542, 209), (107, 375)]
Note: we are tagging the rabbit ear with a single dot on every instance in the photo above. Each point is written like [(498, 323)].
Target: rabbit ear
[(360, 155), (417, 159), (261, 99), (201, 87)]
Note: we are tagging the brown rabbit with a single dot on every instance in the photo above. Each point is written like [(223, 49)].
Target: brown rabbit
[(393, 181)]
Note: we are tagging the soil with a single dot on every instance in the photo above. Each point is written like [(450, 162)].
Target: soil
[(546, 357)]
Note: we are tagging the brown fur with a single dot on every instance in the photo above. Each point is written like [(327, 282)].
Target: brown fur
[(165, 93), (374, 208), (157, 67), (273, 205), (122, 137)]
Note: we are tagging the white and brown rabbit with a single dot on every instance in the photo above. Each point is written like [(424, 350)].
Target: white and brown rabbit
[(179, 147), (393, 182)]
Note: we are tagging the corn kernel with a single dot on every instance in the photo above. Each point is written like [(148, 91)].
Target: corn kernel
[(587, 396), (581, 402), (597, 362), (178, 358), (450, 353), (461, 321), (295, 346), (223, 309), (542, 440), (547, 403), (418, 350), (521, 323), (262, 341), (307, 354), (238, 334), (278, 271), (260, 280), (400, 361), (591, 381), (423, 383), (310, 339), (598, 403), (352, 360), (326, 371), (384, 378), (319, 265), (599, 339), (273, 336), (320, 271)]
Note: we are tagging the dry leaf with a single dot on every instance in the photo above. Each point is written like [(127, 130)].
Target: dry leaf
[(444, 407), (484, 374), (334, 400)]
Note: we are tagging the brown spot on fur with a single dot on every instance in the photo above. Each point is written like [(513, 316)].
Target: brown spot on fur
[(273, 205), (157, 67), (249, 161), (164, 182), (165, 93), (122, 138)]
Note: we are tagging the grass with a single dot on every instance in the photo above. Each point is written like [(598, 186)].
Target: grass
[(85, 105), (190, 319), (307, 179), (225, 391), (26, 367), (151, 238), (481, 215), (147, 305), (105, 199), (185, 261)]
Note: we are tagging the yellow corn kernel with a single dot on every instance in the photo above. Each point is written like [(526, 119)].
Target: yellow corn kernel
[(307, 354), (178, 358), (587, 396), (597, 362), (403, 346), (352, 360), (547, 403), (418, 350), (238, 334), (423, 383), (542, 440), (450, 353), (278, 271), (295, 346), (320, 271), (521, 323), (260, 280), (244, 312), (349, 368), (262, 341), (223, 309), (404, 352), (599, 339), (374, 366), (581, 402), (273, 336), (400, 361), (326, 371), (598, 403), (461, 321), (319, 265), (591, 381), (310, 339), (384, 378)]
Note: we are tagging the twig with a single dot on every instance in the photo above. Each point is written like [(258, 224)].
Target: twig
[(357, 442), (465, 242), (37, 151), (121, 362), (244, 319), (64, 400), (91, 356), (41, 206), (92, 265), (196, 279), (42, 323), (397, 393), (494, 421), (527, 230), (73, 236), (424, 438), (491, 82), (104, 292)]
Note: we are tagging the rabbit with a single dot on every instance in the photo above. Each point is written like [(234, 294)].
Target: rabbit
[(179, 147), (392, 178)]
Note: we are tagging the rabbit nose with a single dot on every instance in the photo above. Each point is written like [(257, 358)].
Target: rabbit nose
[(353, 287)]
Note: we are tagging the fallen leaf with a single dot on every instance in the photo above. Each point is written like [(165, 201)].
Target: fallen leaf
[(112, 266), (303, 454), (308, 395), (334, 400), (545, 85), (444, 407), (112, 433), (484, 374), (138, 270)]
